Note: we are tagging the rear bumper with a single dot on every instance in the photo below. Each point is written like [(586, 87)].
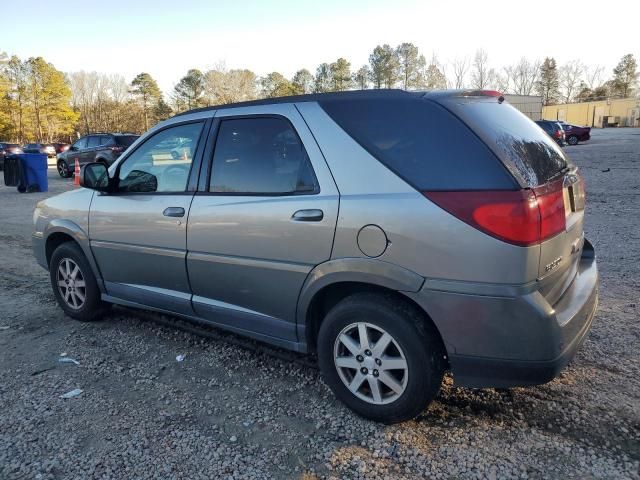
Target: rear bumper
[(514, 338)]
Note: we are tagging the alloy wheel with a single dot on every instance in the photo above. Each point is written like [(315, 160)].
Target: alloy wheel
[(63, 169), (370, 363), (71, 283)]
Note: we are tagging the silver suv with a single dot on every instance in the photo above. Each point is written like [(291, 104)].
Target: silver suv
[(397, 235)]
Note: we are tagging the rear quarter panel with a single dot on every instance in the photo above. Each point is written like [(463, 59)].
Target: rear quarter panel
[(422, 237)]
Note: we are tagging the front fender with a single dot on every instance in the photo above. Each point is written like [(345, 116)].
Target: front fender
[(361, 270), (78, 234)]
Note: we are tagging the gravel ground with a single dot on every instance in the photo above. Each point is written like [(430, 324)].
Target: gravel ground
[(238, 409)]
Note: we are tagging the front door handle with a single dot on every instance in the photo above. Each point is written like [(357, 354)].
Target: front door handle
[(311, 215), (173, 212)]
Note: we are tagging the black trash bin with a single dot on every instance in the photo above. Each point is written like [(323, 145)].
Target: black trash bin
[(12, 170)]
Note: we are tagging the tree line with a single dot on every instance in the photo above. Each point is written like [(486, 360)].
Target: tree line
[(40, 103)]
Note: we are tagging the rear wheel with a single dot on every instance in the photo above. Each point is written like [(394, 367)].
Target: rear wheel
[(63, 169), (572, 140), (74, 284), (379, 357)]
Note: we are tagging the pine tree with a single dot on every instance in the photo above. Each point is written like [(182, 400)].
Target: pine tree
[(340, 75), (548, 84), (146, 90), (625, 76), (189, 90)]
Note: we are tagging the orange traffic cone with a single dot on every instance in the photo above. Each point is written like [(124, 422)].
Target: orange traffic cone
[(76, 174)]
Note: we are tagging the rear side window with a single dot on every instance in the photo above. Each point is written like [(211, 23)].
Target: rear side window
[(94, 141), (523, 146), (260, 156), (421, 142), (126, 140)]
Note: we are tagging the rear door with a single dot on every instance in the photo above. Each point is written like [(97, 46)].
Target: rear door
[(264, 219), (89, 154)]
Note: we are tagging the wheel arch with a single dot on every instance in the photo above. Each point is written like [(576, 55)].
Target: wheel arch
[(60, 231), (333, 281)]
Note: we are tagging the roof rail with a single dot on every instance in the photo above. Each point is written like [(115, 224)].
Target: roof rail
[(311, 97)]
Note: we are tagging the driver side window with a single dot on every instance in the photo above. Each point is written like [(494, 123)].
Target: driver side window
[(162, 163)]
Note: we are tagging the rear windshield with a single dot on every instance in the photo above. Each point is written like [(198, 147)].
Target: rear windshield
[(527, 151), (126, 140), (421, 142)]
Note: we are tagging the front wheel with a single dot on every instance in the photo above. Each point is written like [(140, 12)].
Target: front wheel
[(74, 284), (572, 140), (380, 358), (63, 169)]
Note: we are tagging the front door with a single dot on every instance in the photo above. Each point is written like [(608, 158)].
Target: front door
[(267, 217), (138, 232)]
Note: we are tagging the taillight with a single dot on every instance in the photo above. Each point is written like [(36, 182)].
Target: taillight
[(523, 217), (116, 148)]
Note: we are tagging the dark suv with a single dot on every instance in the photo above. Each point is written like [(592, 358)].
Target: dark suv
[(554, 130), (97, 147)]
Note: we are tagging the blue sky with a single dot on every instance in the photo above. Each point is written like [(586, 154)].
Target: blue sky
[(165, 38)]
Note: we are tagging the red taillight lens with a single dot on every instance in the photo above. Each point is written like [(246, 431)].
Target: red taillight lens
[(550, 199), (524, 217)]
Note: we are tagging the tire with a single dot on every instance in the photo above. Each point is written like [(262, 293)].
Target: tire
[(572, 140), (77, 293), (412, 340), (63, 169)]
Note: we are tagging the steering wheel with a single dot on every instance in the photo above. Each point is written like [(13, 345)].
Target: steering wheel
[(175, 175)]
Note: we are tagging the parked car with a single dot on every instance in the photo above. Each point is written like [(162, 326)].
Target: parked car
[(97, 147), (397, 234), (554, 130), (8, 149), (46, 148), (61, 147), (576, 133)]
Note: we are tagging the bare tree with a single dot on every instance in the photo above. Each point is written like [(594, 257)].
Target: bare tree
[(460, 66), (570, 77), (523, 75), (593, 76), (481, 74)]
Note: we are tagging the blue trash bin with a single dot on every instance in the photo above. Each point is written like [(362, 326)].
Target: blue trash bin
[(34, 172)]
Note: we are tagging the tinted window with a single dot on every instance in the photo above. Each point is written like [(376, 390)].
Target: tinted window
[(162, 163), (105, 140), (261, 155), (125, 140), (80, 144), (530, 154), (422, 142), (94, 141)]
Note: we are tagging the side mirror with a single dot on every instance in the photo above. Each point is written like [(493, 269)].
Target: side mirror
[(94, 176), (72, 148)]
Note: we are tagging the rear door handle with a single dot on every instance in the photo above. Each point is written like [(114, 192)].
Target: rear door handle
[(311, 215), (173, 212)]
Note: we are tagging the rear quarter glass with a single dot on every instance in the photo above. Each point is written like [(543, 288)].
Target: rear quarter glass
[(422, 142), (530, 155)]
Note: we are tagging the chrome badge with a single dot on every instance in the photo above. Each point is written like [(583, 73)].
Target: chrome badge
[(552, 265)]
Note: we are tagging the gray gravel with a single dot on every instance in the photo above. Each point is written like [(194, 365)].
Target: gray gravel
[(238, 409)]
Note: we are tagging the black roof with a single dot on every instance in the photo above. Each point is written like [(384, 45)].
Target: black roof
[(315, 97)]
